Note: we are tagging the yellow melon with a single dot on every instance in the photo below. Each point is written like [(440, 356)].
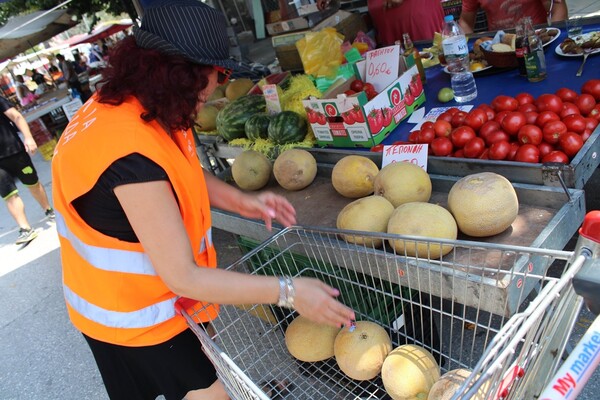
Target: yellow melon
[(483, 204), (207, 117), (426, 220), (238, 88), (309, 341), (369, 214), (251, 170), (403, 182), (409, 372), (353, 176), (295, 169), (449, 384), (360, 352)]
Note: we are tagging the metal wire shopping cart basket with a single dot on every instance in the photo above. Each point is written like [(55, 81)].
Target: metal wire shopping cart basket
[(492, 309)]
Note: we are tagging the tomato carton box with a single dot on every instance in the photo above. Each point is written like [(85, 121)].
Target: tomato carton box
[(340, 120)]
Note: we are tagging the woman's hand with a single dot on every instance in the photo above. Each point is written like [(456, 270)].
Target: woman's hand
[(316, 301), (267, 206)]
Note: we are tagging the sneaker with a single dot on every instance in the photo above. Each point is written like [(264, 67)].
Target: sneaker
[(26, 235), (50, 214)]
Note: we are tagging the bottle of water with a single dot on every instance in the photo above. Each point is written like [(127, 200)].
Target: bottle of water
[(456, 53)]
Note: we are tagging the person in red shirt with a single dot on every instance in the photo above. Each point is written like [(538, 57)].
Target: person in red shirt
[(391, 18), (505, 14)]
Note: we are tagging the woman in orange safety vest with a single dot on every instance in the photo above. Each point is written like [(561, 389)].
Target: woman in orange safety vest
[(133, 213)]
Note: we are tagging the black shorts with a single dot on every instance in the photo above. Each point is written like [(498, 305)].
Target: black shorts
[(20, 167), (172, 368), (7, 185)]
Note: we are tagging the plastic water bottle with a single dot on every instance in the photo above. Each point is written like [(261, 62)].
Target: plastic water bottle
[(456, 53)]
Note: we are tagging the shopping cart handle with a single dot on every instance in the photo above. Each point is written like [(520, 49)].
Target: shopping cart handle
[(513, 373), (183, 303)]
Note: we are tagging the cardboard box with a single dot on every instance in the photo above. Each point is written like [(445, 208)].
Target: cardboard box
[(338, 120), (294, 24)]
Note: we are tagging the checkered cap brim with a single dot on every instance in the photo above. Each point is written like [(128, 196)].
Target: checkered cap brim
[(188, 28)]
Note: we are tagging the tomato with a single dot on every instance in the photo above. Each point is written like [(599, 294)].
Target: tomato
[(591, 124), (485, 155), (452, 110), (553, 130), (527, 107), (347, 117), (556, 156), (585, 103), (488, 128), (566, 94), (595, 113), (514, 147), (369, 90), (458, 119), (427, 124), (375, 119), (426, 135), (474, 147), (530, 134), (575, 123), (504, 103), (545, 148), (570, 143), (387, 116), (528, 153), (461, 135), (416, 86), (550, 102), (546, 116), (459, 153), (525, 98), (531, 117), (569, 109), (409, 99), (488, 110), (311, 115), (321, 118), (592, 87), (499, 150), (497, 136), (445, 116), (377, 148), (442, 146), (350, 92), (476, 118), (442, 128), (357, 85), (513, 122), (586, 135), (500, 116), (413, 136), (357, 114)]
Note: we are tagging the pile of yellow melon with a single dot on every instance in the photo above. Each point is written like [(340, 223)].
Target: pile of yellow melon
[(365, 351), (396, 199)]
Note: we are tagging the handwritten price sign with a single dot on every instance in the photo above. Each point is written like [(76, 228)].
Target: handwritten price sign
[(382, 66)]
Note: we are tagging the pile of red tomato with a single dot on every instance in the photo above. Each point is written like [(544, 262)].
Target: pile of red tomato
[(357, 86), (549, 128)]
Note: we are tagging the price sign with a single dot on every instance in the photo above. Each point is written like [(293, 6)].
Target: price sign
[(412, 153), (272, 99), (382, 66)]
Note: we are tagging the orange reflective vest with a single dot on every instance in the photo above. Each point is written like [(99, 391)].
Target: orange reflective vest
[(112, 291)]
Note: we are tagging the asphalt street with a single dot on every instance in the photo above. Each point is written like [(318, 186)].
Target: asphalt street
[(42, 356)]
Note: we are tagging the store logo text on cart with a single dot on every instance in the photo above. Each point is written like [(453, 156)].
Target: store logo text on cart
[(590, 349)]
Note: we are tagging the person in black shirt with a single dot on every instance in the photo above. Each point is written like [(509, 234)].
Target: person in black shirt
[(16, 163)]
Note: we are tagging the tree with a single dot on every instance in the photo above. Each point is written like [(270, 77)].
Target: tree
[(76, 7)]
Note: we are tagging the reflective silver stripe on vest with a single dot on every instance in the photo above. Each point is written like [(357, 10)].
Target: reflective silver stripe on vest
[(132, 262), (207, 236), (144, 318)]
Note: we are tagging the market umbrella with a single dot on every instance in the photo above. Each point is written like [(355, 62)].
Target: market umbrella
[(25, 31), (100, 32)]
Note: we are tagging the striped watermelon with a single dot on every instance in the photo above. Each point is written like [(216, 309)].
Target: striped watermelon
[(287, 127), (257, 126), (232, 118)]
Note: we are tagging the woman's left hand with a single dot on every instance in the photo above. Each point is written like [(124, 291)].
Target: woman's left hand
[(267, 206)]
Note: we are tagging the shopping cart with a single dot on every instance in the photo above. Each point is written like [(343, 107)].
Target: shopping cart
[(493, 309)]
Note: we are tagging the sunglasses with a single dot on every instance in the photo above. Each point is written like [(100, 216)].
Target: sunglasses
[(223, 74)]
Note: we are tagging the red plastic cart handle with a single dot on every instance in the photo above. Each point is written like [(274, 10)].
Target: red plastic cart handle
[(183, 303), (513, 374), (591, 226)]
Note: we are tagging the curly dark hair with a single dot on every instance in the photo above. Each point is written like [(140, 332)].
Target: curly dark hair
[(167, 86)]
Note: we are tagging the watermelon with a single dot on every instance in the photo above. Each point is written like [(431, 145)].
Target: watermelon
[(287, 127), (232, 118), (257, 126)]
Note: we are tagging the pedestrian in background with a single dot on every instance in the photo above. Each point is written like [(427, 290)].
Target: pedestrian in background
[(134, 213), (16, 163)]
